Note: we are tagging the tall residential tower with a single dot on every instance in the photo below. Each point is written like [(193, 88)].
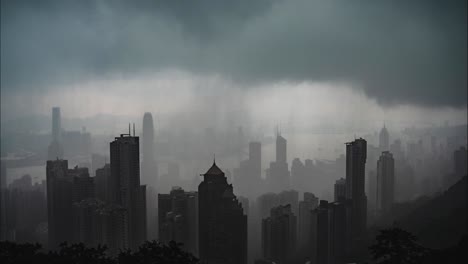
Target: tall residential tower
[(222, 222), (385, 182), (356, 154), (124, 186)]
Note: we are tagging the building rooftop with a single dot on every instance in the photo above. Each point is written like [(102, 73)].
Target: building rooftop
[(214, 170)]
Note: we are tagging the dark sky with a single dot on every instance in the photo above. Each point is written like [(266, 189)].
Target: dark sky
[(400, 52)]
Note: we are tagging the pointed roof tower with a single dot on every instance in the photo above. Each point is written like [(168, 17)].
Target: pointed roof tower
[(214, 170), (384, 138)]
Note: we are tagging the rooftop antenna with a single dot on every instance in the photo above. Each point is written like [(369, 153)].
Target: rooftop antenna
[(133, 129), (129, 129)]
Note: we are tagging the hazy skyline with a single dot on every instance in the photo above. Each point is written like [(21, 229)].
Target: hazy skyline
[(251, 131)]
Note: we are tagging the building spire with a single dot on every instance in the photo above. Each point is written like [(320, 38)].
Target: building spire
[(214, 159)]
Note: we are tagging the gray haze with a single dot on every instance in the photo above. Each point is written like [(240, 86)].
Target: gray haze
[(314, 68), (398, 52), (217, 75)]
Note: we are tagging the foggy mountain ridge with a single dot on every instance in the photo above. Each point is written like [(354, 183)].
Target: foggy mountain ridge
[(441, 221)]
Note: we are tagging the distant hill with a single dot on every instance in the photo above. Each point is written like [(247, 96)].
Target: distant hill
[(441, 221)]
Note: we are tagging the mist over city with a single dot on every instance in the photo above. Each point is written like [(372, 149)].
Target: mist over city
[(233, 132)]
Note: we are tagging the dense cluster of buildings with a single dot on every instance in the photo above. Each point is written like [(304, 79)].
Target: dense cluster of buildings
[(115, 204), (109, 208), (178, 218)]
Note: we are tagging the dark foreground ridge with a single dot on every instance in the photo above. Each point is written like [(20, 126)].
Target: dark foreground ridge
[(392, 245), (395, 245), (150, 252)]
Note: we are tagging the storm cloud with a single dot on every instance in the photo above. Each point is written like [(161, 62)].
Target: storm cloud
[(398, 52)]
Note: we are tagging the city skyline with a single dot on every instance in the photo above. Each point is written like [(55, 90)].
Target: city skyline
[(329, 232), (233, 132)]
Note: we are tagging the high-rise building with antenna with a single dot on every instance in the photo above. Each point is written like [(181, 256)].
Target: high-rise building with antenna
[(124, 187)]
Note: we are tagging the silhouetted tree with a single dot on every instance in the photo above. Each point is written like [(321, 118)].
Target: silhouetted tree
[(11, 252), (397, 246), (80, 254), (157, 253), (151, 252)]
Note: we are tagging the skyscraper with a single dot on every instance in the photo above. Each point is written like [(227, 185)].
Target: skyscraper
[(83, 184), (338, 236), (281, 149), (124, 186), (322, 233), (55, 150), (289, 197), (340, 189), (384, 139), (83, 189), (101, 182), (222, 222), (150, 175), (385, 182), (59, 202), (247, 177), (178, 218), (329, 236), (279, 234), (306, 206), (278, 174), (26, 206), (56, 124), (356, 154), (148, 165), (65, 189)]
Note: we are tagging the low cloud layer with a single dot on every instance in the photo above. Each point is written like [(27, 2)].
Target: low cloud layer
[(398, 52)]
